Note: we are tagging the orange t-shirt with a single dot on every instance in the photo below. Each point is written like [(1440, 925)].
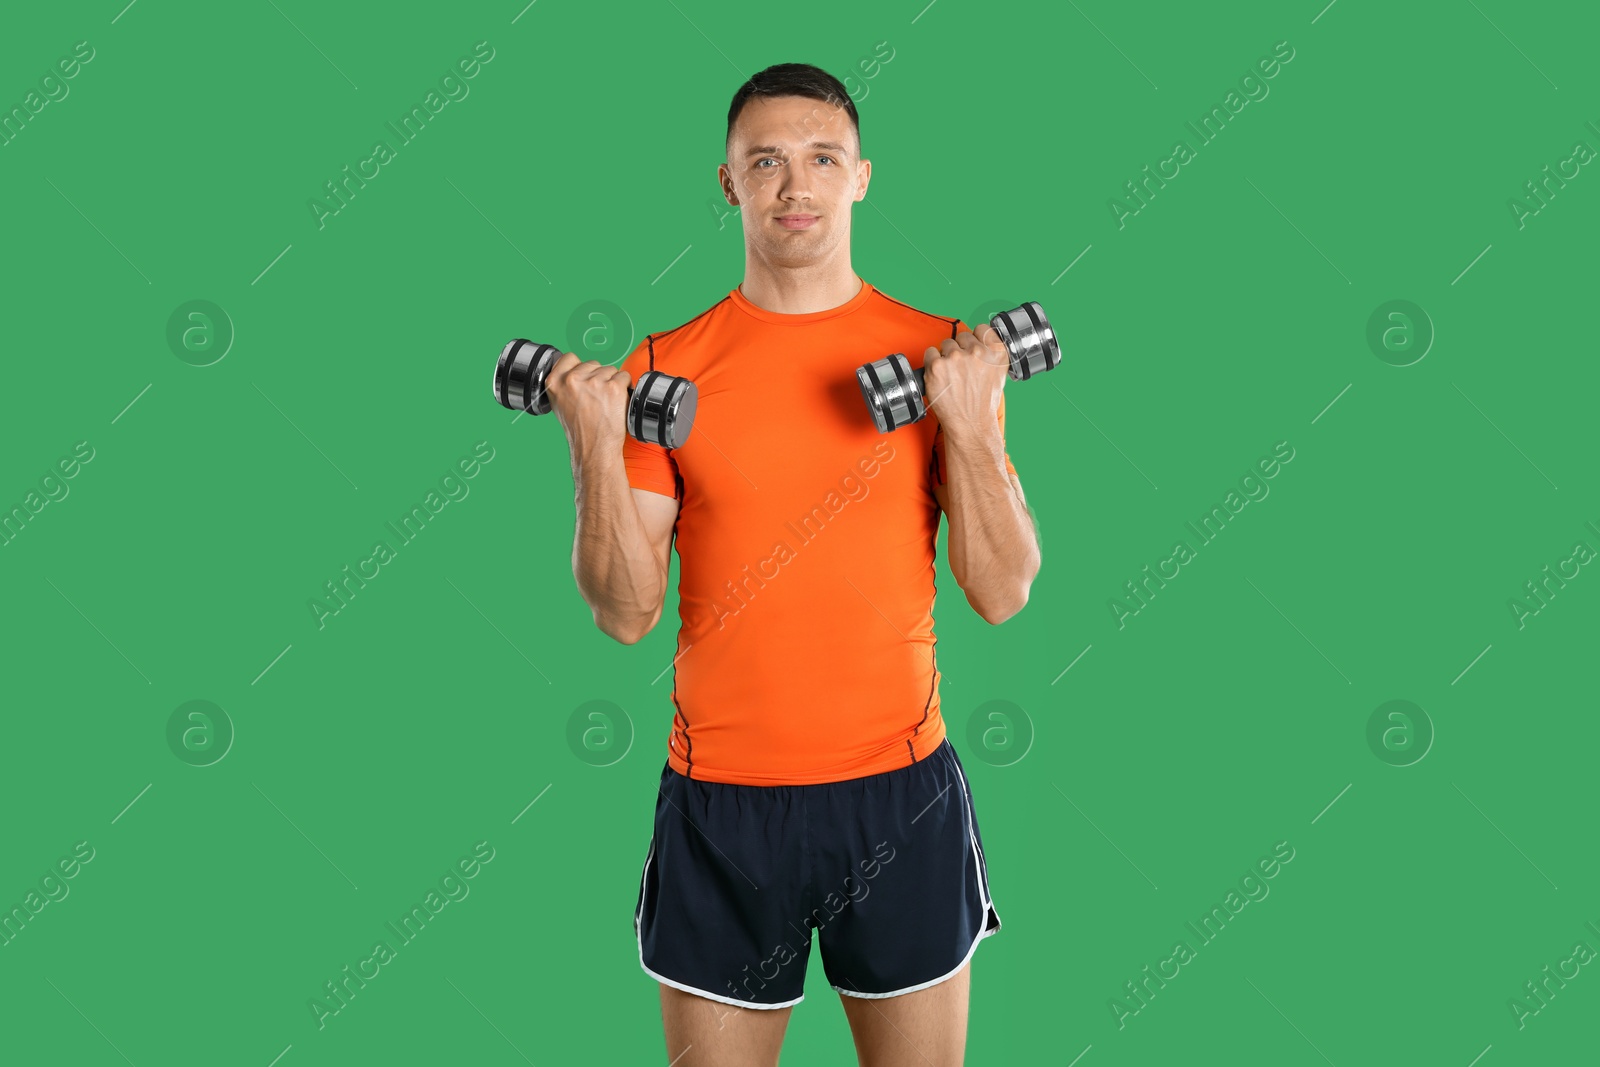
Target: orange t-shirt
[(805, 543)]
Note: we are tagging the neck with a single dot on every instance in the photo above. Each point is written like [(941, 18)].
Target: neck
[(799, 290)]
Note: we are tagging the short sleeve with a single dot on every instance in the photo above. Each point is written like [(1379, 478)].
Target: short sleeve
[(649, 466)]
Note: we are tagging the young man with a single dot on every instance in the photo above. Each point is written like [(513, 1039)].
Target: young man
[(809, 785)]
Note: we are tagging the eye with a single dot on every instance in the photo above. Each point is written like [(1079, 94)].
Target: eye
[(828, 158), (767, 159)]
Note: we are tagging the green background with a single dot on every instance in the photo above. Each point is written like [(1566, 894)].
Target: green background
[(1230, 714)]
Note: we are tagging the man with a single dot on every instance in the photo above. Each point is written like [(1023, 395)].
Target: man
[(809, 785)]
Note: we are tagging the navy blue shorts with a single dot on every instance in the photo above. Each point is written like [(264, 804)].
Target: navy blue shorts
[(886, 870)]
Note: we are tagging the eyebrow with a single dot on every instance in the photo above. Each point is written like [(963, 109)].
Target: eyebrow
[(767, 149)]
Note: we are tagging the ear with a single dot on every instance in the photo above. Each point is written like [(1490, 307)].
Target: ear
[(725, 179), (863, 179)]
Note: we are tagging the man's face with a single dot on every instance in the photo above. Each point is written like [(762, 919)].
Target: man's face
[(793, 170)]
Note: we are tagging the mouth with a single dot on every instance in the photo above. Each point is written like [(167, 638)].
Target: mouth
[(797, 222)]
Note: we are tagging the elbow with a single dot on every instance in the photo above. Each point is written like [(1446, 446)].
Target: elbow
[(995, 606), (626, 631), (998, 612), (622, 635), (997, 609)]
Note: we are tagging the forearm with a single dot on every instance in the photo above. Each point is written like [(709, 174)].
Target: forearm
[(993, 551), (616, 571)]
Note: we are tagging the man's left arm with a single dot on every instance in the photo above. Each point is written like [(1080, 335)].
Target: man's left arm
[(993, 546)]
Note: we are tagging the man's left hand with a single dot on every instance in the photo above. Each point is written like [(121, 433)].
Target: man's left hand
[(963, 379)]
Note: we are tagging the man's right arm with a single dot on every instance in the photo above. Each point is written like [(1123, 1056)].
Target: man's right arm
[(623, 538), (620, 553)]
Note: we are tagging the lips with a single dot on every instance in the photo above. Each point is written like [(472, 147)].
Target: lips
[(796, 222)]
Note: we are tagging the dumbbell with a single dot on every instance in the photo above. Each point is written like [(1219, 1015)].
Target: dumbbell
[(660, 407), (894, 392)]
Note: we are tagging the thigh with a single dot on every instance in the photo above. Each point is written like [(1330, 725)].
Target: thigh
[(927, 1028), (705, 1033)]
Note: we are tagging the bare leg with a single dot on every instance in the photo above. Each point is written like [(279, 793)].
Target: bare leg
[(706, 1033), (927, 1028)]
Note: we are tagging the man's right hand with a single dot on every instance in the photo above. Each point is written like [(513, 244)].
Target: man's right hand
[(590, 399)]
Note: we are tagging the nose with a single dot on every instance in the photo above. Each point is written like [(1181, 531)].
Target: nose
[(794, 184)]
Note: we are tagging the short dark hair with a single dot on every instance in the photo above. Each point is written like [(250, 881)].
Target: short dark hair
[(794, 79)]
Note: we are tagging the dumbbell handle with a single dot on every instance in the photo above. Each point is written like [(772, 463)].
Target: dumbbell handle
[(660, 408), (1029, 341), (895, 391)]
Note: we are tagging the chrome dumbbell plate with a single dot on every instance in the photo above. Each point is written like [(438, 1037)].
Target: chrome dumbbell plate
[(1029, 338), (893, 392), (661, 409), (520, 373)]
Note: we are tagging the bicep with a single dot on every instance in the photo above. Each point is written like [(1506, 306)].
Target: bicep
[(659, 514)]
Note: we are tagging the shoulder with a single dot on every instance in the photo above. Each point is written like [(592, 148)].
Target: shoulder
[(890, 308), (662, 343)]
